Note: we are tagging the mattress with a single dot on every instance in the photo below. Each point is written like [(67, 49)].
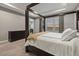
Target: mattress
[(53, 45)]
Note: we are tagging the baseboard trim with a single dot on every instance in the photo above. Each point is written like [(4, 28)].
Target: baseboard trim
[(4, 41)]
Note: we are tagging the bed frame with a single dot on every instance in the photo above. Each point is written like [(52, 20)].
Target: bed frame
[(61, 27), (33, 49), (36, 51)]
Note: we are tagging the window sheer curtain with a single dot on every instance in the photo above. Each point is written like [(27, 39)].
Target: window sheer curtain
[(52, 24)]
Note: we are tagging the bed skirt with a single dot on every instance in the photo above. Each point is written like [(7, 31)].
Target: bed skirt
[(36, 51)]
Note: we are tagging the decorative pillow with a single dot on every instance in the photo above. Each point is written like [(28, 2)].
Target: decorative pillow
[(66, 32), (70, 36)]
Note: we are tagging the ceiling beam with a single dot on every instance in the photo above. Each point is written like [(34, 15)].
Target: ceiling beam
[(29, 8), (71, 12), (51, 16), (60, 14), (35, 13), (31, 5)]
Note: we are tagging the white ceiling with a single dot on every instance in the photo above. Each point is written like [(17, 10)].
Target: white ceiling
[(18, 7), (43, 8), (21, 6), (54, 8)]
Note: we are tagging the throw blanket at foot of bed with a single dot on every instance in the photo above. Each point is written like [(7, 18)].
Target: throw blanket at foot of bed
[(34, 36)]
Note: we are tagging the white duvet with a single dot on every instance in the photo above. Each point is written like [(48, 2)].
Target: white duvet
[(52, 35), (52, 43)]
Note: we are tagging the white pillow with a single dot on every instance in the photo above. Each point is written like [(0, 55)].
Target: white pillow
[(70, 36), (66, 32), (77, 34)]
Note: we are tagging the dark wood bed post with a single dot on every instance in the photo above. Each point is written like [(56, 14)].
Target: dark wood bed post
[(40, 23), (44, 24), (26, 23), (77, 19), (27, 19)]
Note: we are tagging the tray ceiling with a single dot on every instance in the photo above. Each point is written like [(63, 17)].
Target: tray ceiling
[(44, 9)]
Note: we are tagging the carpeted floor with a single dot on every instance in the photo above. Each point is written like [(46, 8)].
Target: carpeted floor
[(13, 49)]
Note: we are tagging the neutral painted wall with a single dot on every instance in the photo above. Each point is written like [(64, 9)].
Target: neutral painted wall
[(70, 21), (10, 22)]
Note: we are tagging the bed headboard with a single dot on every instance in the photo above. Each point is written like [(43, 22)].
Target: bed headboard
[(16, 35)]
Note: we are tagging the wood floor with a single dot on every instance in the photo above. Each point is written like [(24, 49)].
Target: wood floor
[(13, 49)]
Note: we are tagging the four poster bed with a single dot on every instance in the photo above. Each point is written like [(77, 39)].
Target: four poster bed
[(50, 43)]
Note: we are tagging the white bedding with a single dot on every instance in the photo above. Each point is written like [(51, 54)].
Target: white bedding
[(52, 35), (55, 45), (77, 34)]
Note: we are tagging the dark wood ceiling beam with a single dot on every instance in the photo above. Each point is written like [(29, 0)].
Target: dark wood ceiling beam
[(61, 14), (35, 12), (70, 12), (31, 5), (51, 16)]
